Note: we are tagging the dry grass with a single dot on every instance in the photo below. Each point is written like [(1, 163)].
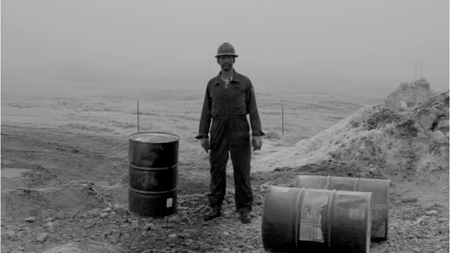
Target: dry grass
[(114, 113)]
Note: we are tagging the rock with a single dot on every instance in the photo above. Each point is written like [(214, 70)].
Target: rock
[(185, 235), (426, 119), (402, 105), (432, 212), (121, 210), (42, 237), (417, 250), (60, 215), (185, 219), (443, 126), (442, 220), (409, 200), (150, 226), (30, 219), (263, 188), (9, 235), (173, 219)]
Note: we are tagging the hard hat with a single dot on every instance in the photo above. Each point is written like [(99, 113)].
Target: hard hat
[(226, 49)]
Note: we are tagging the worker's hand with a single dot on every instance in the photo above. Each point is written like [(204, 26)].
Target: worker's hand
[(256, 142), (204, 142)]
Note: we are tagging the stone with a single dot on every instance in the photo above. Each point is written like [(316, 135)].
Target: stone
[(60, 215), (417, 250), (173, 219), (30, 219), (426, 119), (409, 200), (184, 235), (432, 212), (443, 126), (185, 219), (42, 237), (9, 234)]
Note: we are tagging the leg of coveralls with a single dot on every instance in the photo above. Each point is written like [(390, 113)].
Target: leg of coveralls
[(240, 156), (218, 159)]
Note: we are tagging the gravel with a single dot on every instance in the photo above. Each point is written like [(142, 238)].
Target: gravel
[(111, 228)]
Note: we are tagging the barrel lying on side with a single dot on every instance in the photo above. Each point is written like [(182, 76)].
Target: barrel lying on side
[(378, 187), (153, 174), (311, 220)]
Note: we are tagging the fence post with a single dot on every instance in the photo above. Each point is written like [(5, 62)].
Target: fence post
[(282, 120)]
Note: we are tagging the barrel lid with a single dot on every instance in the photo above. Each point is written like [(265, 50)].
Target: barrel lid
[(154, 137)]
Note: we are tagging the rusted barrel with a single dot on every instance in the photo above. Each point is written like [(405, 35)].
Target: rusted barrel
[(153, 174), (378, 187), (312, 220)]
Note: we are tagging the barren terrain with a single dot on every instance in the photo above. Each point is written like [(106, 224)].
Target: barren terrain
[(65, 168)]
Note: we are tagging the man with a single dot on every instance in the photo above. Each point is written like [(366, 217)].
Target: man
[(229, 98)]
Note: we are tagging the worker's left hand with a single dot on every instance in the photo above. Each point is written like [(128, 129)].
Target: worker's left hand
[(256, 142)]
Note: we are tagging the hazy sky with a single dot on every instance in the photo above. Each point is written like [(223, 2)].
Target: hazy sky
[(352, 46)]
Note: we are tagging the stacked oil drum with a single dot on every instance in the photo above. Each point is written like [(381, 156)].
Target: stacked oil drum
[(326, 214)]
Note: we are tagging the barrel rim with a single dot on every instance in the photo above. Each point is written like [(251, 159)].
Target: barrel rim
[(151, 132)]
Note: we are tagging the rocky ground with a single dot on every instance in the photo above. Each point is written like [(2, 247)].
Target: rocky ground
[(65, 191), (92, 215)]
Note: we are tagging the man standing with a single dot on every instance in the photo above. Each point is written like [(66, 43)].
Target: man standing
[(229, 98)]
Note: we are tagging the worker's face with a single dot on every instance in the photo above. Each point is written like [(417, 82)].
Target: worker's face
[(226, 62)]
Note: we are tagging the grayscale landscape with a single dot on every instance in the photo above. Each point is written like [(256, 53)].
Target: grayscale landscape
[(347, 90)]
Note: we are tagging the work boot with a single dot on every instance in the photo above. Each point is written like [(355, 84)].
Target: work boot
[(214, 212), (245, 217)]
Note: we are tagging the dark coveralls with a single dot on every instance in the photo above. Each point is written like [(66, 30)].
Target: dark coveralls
[(227, 106)]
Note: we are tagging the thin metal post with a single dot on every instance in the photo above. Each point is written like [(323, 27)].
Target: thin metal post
[(415, 70), (138, 115), (282, 120), (421, 69)]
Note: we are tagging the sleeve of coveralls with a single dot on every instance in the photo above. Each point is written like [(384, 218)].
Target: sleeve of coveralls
[(205, 118), (255, 122)]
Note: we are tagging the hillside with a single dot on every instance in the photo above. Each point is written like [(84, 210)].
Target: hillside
[(408, 136)]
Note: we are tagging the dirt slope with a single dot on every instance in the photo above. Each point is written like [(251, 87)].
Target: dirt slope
[(411, 143)]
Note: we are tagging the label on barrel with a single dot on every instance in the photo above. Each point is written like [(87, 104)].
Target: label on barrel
[(169, 202), (311, 217)]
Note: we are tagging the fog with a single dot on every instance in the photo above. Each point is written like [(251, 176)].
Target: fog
[(352, 47)]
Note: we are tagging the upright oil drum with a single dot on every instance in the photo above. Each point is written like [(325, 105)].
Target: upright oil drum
[(313, 220), (153, 174), (378, 187)]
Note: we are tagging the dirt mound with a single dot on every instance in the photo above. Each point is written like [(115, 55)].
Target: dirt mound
[(67, 200), (412, 142), (409, 94)]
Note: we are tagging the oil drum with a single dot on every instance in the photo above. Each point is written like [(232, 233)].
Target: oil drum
[(153, 174), (378, 187), (316, 220)]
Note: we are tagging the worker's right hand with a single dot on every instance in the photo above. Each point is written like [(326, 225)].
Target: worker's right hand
[(204, 142)]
